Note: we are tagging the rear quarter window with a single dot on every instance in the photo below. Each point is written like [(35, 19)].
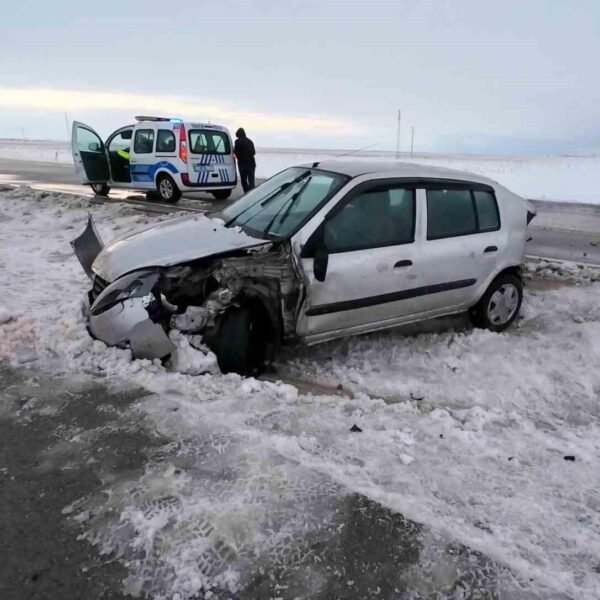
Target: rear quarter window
[(144, 141), (487, 211), (165, 141)]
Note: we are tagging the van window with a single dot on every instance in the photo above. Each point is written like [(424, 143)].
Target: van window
[(205, 141), (487, 211), (165, 141), (383, 216), (450, 213), (144, 141)]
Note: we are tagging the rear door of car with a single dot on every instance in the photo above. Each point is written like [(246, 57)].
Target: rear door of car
[(210, 156), (462, 239), (373, 260), (89, 154)]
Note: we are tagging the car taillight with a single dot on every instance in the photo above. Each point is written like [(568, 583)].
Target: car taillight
[(182, 144), (185, 179)]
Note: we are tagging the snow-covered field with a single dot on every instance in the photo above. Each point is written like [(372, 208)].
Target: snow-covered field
[(463, 431), (559, 178)]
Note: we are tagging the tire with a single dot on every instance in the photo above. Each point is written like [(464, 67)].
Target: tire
[(100, 189), (240, 343), (221, 194), (500, 304), (167, 189)]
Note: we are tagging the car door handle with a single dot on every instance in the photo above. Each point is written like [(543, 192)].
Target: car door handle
[(403, 263), (490, 249)]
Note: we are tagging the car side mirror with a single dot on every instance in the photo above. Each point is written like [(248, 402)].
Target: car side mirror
[(320, 262), (94, 147)]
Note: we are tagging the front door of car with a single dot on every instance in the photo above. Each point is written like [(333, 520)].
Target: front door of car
[(89, 154), (368, 244)]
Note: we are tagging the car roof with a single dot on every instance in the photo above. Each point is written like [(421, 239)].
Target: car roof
[(354, 168)]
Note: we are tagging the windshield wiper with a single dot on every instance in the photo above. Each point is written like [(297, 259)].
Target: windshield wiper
[(271, 197), (293, 201), (289, 204)]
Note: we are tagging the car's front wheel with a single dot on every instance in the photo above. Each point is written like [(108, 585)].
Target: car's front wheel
[(500, 304), (241, 342), (100, 189), (167, 189)]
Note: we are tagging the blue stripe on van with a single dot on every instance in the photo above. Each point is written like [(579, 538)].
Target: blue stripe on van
[(147, 172)]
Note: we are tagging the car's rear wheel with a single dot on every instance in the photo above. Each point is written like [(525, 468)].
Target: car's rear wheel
[(100, 189), (221, 194), (241, 342), (500, 304), (167, 189)]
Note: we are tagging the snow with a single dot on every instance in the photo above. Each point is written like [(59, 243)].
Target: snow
[(553, 178), (463, 430)]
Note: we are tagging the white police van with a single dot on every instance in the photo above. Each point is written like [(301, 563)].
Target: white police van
[(162, 156)]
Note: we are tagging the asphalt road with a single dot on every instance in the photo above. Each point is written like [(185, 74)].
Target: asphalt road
[(562, 230), (67, 444)]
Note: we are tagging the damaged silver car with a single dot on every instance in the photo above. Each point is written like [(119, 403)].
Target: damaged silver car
[(316, 252)]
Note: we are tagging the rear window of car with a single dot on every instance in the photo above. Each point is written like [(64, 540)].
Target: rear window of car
[(454, 212), (206, 141)]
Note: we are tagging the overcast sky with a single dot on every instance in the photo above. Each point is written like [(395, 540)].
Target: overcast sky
[(509, 76)]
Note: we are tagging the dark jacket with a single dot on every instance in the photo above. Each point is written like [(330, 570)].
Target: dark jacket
[(244, 149)]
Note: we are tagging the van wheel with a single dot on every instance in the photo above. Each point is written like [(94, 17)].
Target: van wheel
[(167, 189), (241, 342), (222, 194), (100, 189), (500, 304)]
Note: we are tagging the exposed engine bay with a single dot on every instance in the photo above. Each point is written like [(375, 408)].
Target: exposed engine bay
[(138, 309)]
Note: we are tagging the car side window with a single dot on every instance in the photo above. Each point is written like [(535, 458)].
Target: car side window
[(144, 141), (450, 213), (165, 141), (487, 211), (377, 217)]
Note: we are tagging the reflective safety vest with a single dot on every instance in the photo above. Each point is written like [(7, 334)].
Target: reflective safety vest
[(123, 153)]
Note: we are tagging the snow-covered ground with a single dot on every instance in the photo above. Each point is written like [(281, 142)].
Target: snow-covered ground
[(464, 431), (558, 178)]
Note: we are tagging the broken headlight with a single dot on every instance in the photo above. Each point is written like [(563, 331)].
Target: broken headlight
[(138, 284)]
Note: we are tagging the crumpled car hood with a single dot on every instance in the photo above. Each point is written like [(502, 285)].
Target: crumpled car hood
[(170, 243)]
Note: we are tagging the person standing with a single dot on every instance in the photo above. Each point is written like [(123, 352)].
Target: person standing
[(244, 153)]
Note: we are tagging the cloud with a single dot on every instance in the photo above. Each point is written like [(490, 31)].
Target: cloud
[(74, 101)]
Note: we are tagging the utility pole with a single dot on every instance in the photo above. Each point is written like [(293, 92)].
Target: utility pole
[(67, 126), (412, 141), (398, 134)]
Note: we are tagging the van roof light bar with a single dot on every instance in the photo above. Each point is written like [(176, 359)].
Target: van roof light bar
[(145, 118)]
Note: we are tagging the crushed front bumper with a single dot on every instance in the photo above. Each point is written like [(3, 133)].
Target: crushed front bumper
[(124, 315), (126, 312)]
